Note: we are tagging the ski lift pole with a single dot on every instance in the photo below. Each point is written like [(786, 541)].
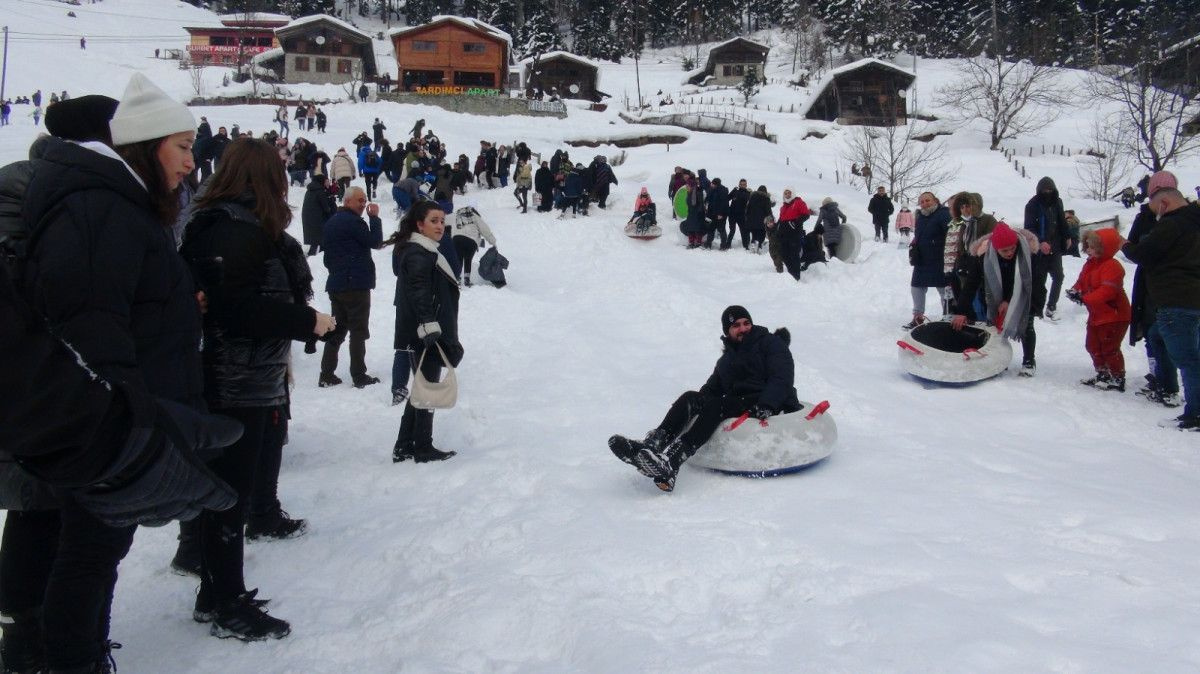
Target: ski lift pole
[(4, 65)]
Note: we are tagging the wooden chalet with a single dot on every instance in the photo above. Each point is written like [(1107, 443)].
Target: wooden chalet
[(729, 61), (321, 49), (564, 74), (451, 51), (1178, 69), (237, 36), (867, 92)]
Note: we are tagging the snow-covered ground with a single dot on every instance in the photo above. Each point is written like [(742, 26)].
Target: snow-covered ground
[(1016, 525)]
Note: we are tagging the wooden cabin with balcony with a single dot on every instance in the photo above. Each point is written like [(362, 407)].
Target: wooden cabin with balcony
[(451, 51), (321, 49), (728, 62), (237, 36), (563, 74), (868, 92)]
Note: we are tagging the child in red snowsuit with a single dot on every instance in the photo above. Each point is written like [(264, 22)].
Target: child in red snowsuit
[(1101, 289)]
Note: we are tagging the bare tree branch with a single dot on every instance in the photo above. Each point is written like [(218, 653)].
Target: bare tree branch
[(1105, 167), (1014, 97), (900, 161), (1151, 119)]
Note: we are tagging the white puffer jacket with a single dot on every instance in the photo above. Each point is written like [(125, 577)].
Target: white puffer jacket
[(342, 166), (469, 223)]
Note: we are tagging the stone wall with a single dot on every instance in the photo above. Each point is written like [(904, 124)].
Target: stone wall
[(474, 105)]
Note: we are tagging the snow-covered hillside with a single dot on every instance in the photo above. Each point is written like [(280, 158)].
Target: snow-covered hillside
[(1017, 525)]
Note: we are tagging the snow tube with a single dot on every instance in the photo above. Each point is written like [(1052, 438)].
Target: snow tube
[(639, 230), (937, 352), (785, 443), (847, 250)]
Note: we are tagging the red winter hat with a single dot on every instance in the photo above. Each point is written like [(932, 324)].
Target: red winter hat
[(1161, 180), (1003, 236)]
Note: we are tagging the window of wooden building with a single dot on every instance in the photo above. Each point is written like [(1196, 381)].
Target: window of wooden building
[(474, 79), (474, 47), (301, 64), (424, 45), (322, 65), (733, 71), (344, 66)]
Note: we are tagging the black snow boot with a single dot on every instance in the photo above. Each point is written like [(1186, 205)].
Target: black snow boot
[(21, 644), (625, 449), (425, 455), (241, 618), (662, 466), (206, 607), (276, 524), (187, 555)]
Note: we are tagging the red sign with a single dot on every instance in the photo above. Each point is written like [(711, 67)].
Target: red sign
[(209, 49)]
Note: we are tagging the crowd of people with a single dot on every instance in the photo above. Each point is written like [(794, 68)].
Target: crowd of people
[(191, 226)]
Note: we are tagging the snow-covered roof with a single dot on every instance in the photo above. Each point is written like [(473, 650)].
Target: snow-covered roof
[(731, 40), (558, 53), (267, 55), (474, 24), (254, 17), (322, 18), (697, 76), (1181, 45), (827, 78)]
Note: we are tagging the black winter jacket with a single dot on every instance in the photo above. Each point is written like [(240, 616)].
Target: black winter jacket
[(319, 206), (1045, 217), (881, 208), (107, 277), (761, 364), (252, 313), (543, 180), (718, 201), (1171, 257), (424, 294), (758, 209), (1142, 310), (930, 244), (738, 197)]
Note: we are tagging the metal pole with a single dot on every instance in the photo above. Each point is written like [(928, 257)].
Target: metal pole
[(4, 66), (638, 74)]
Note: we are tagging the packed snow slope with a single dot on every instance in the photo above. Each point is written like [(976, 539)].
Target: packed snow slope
[(1029, 525)]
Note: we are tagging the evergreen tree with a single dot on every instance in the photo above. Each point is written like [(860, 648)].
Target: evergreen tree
[(629, 27), (503, 15), (658, 18), (539, 34)]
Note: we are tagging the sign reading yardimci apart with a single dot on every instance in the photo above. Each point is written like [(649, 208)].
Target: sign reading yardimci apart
[(451, 90)]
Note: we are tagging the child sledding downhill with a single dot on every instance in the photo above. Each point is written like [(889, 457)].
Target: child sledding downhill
[(644, 221), (755, 375)]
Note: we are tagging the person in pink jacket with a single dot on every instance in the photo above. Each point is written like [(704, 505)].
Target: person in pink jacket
[(905, 223)]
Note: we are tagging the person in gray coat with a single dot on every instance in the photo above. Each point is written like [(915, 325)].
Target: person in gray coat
[(829, 224)]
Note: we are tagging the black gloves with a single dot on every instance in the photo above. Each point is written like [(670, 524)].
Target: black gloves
[(1074, 295), (761, 412), (429, 333), (158, 475)]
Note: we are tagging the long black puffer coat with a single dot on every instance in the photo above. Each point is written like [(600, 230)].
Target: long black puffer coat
[(106, 274), (425, 294), (760, 364), (758, 209), (252, 313), (319, 206)]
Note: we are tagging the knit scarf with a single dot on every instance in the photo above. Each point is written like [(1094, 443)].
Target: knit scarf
[(1018, 304), (431, 246)]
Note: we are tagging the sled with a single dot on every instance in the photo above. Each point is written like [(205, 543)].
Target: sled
[(847, 250), (645, 232), (783, 444), (935, 351)]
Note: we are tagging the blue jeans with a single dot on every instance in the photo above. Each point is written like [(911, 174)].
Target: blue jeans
[(402, 367), (1180, 331), (1161, 365)]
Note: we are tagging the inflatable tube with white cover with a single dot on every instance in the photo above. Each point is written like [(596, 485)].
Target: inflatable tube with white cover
[(645, 232), (937, 352), (847, 250), (786, 444)]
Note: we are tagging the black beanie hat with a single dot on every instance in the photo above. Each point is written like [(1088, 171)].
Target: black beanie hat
[(731, 314), (82, 119)]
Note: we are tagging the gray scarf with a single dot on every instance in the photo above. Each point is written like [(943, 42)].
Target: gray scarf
[(1018, 305)]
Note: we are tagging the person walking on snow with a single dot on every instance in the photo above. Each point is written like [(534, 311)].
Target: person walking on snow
[(755, 374), (1044, 216), (1101, 289), (829, 222), (881, 209)]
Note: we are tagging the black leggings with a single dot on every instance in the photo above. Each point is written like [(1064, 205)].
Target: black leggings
[(264, 495), (79, 592), (416, 426), (221, 534), (465, 247), (705, 414), (26, 556)]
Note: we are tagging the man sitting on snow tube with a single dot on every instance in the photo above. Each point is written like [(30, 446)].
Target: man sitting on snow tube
[(754, 374)]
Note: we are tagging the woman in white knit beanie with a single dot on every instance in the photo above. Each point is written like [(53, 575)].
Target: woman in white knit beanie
[(105, 274)]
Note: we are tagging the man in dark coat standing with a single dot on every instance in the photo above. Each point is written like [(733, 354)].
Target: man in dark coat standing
[(881, 209), (718, 213), (348, 242), (319, 206), (543, 184), (738, 198), (755, 375), (1170, 256), (377, 130), (1044, 216), (602, 179), (216, 146)]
